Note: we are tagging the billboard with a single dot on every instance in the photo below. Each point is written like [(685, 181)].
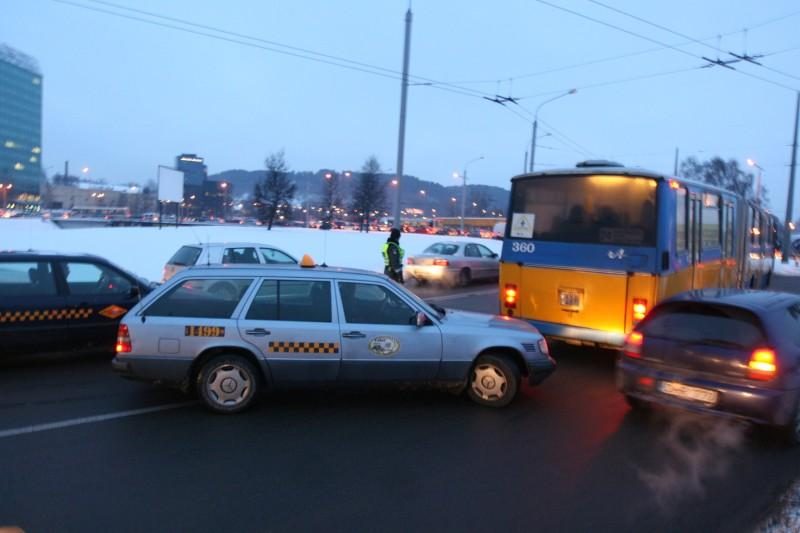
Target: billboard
[(170, 185)]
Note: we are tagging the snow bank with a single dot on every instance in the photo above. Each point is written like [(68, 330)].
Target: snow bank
[(145, 250)]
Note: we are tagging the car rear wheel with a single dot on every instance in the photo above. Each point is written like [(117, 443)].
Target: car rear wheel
[(464, 277), (791, 431), (493, 381), (227, 383), (637, 404)]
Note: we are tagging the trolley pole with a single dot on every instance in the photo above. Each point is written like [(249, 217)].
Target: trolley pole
[(401, 137), (787, 242)]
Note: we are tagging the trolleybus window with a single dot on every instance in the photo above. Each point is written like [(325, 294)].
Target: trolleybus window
[(617, 210), (681, 239), (711, 236)]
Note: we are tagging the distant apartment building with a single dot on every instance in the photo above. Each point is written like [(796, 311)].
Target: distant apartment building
[(20, 130), (195, 175)]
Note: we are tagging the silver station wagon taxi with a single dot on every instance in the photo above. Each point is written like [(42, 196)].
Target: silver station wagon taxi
[(228, 332)]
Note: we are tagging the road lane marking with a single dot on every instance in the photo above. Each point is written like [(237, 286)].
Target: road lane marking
[(460, 295), (89, 419)]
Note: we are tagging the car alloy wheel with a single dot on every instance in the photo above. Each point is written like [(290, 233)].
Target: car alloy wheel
[(489, 382), (228, 384), (493, 380)]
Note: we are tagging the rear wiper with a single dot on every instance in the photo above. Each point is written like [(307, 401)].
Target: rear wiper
[(717, 342)]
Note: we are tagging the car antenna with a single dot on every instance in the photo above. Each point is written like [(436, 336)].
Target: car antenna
[(208, 250), (325, 249)]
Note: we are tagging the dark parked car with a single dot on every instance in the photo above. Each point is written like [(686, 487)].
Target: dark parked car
[(59, 303), (727, 352)]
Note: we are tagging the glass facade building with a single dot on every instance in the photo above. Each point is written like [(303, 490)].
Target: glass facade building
[(195, 174), (20, 130)]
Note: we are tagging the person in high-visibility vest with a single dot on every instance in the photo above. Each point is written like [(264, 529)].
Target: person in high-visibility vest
[(393, 256)]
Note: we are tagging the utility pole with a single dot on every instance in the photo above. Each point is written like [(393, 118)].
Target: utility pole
[(675, 168), (533, 142), (525, 166), (787, 241), (401, 137)]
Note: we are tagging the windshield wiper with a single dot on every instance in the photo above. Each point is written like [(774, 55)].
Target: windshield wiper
[(439, 309)]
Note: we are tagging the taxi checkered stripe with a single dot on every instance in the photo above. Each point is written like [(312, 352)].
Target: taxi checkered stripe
[(304, 347), (44, 314)]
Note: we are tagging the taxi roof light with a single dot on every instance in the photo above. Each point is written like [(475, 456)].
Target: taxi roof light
[(307, 261)]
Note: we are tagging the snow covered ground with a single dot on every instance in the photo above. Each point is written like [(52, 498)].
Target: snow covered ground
[(145, 250)]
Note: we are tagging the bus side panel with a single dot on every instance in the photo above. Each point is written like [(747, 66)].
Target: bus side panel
[(675, 282), (708, 273), (574, 298)]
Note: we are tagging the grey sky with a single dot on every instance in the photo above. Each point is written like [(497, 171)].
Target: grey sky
[(122, 96)]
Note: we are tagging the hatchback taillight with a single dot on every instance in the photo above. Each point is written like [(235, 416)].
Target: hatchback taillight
[(441, 262), (633, 345), (123, 339), (410, 261), (762, 365)]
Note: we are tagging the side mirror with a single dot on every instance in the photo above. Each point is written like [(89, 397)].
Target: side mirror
[(136, 292), (494, 255), (422, 319)]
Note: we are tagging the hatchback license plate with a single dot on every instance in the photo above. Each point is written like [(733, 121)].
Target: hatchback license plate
[(687, 392)]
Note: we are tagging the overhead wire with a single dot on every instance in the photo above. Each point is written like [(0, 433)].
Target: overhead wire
[(650, 39), (691, 39)]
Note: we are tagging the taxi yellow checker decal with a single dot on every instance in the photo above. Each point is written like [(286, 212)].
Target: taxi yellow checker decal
[(44, 314), (304, 347)]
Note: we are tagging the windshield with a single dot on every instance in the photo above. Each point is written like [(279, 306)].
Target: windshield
[(441, 248), (618, 210)]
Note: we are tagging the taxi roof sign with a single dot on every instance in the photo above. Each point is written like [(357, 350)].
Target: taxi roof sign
[(307, 261)]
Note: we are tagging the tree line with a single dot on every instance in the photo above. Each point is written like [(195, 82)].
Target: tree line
[(273, 196)]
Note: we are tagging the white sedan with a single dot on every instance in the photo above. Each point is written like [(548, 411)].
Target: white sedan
[(453, 262)]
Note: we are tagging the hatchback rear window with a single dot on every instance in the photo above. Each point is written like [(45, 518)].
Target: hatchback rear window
[(705, 324), (186, 256)]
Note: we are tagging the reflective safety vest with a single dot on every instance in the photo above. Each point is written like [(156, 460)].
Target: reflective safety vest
[(385, 252)]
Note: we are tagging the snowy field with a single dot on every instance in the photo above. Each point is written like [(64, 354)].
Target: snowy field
[(144, 251)]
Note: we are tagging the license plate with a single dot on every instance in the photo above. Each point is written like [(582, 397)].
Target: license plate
[(569, 299), (687, 392)]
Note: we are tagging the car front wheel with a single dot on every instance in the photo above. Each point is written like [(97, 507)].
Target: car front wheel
[(228, 383), (493, 381)]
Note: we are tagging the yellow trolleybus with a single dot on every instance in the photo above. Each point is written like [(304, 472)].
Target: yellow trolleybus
[(589, 250)]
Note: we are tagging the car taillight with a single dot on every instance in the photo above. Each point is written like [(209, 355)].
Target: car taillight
[(762, 364), (441, 262), (639, 309), (410, 261), (123, 339), (510, 296), (633, 345)]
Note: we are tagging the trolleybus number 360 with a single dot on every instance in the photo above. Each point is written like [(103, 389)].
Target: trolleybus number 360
[(524, 247)]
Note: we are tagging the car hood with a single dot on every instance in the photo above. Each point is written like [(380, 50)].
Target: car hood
[(472, 320)]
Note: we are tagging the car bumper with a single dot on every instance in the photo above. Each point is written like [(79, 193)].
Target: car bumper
[(428, 272), (737, 400), (540, 369), (591, 336), (154, 369)]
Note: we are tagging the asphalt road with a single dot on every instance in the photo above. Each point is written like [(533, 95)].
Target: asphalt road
[(83, 450)]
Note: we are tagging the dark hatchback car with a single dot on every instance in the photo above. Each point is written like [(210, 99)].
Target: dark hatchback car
[(53, 303), (727, 352)]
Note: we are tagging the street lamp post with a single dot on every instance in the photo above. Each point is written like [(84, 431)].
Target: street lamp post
[(536, 123), (464, 189), (753, 163)]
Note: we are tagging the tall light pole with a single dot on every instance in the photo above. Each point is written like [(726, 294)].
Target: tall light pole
[(464, 189), (753, 163), (790, 195), (536, 123), (401, 136)]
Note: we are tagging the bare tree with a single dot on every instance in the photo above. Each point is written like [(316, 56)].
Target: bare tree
[(369, 193), (277, 190), (724, 174)]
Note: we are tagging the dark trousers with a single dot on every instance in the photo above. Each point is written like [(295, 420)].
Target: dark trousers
[(397, 276)]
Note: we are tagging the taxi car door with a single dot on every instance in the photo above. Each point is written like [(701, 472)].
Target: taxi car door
[(97, 298), (380, 339), (292, 323), (31, 308)]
